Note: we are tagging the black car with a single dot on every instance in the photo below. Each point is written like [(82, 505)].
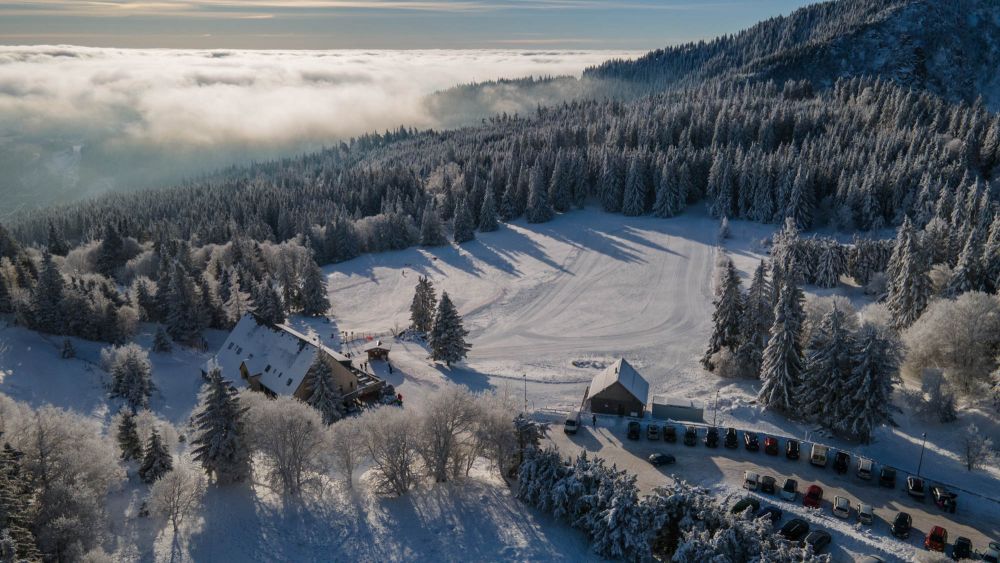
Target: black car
[(794, 530), (767, 484), (772, 512), (750, 441), (818, 540), (732, 440), (792, 449), (887, 477), (901, 525), (661, 458), (962, 548), (669, 433), (690, 436), (712, 438), (841, 462), (634, 430)]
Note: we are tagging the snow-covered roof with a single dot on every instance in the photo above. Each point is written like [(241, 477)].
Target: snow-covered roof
[(278, 353), (375, 344), (677, 401), (621, 372)]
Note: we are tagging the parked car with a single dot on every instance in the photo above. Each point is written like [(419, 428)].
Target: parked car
[(915, 487), (841, 462), (792, 449), (768, 484), (936, 539), (865, 468), (669, 433), (814, 496), (653, 432), (691, 436), (901, 525), (818, 540), (992, 553), (634, 430), (772, 512), (661, 458), (572, 423), (712, 437), (732, 440), (794, 530), (750, 441), (841, 507), (743, 504), (790, 490), (750, 480), (818, 455), (866, 514), (944, 499), (771, 445), (961, 549), (887, 477)]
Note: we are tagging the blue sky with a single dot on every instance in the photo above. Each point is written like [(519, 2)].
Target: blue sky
[(379, 24)]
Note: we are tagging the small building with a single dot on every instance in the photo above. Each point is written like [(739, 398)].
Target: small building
[(377, 350), (619, 389), (677, 408), (275, 359)]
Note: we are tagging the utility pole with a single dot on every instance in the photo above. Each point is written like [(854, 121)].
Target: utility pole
[(715, 414), (922, 444), (525, 377)]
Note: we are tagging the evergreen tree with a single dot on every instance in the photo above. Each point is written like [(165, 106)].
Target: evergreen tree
[(18, 509), (539, 210), (156, 461), (990, 261), (6, 301), (161, 341), (830, 264), (132, 376), (868, 394), (184, 317), (488, 214), (267, 303), (758, 316), (828, 365), (727, 316), (220, 444), (800, 203), (781, 366), (325, 397), (447, 337), (128, 437), (68, 351), (611, 187), (561, 184), (239, 302), (968, 274), (909, 285), (315, 302), (110, 253), (423, 305), (47, 298), (634, 198), (431, 231), (464, 225), (57, 245)]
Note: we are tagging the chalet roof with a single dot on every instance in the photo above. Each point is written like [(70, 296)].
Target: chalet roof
[(278, 353), (621, 372), (376, 345)]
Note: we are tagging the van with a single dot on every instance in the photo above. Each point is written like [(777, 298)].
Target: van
[(864, 468), (818, 455), (572, 423), (750, 480)]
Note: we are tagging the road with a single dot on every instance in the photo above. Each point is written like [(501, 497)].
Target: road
[(975, 519)]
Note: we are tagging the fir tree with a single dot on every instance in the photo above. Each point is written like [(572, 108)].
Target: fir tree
[(128, 437), (184, 317), (68, 351), (315, 302), (488, 214), (800, 202), (968, 272), (431, 231), (727, 316), (267, 303), (909, 284), (447, 337), (6, 302), (990, 261), (828, 365), (161, 341), (781, 366), (611, 184), (18, 509), (47, 298), (539, 210), (57, 245), (758, 316), (324, 397), (239, 302), (156, 460), (132, 376), (464, 225), (219, 444), (110, 252), (830, 264), (868, 394), (634, 198), (561, 184), (423, 306)]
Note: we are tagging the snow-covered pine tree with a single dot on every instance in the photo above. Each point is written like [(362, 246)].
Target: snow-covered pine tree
[(447, 337), (68, 351), (57, 245), (464, 225), (561, 184), (827, 370), (220, 443), (156, 460), (634, 198), (110, 251), (184, 319), (6, 301), (423, 306), (17, 509), (539, 210), (239, 302), (610, 184), (161, 341), (267, 303), (755, 327), (488, 214), (315, 302), (909, 284), (869, 390), (800, 203), (991, 258), (324, 397), (128, 437), (431, 231), (132, 376), (781, 366), (968, 272), (539, 472), (830, 264), (621, 535), (901, 250), (727, 316), (787, 254), (47, 298)]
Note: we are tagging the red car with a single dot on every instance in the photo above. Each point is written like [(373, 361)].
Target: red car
[(936, 539), (813, 497), (771, 445)]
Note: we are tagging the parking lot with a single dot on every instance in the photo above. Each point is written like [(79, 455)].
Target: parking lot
[(976, 518)]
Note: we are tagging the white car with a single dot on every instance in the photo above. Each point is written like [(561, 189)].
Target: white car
[(865, 467), (866, 514), (751, 480), (790, 490), (841, 507)]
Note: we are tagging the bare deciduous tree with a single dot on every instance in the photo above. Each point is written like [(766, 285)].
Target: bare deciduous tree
[(177, 495), (292, 436), (445, 440), (347, 448), (390, 437), (977, 449)]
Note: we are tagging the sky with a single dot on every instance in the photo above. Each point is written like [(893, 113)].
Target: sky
[(378, 24)]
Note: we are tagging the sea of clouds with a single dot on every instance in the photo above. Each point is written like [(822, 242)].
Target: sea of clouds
[(75, 121)]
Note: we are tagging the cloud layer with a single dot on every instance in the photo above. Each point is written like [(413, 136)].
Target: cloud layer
[(143, 117)]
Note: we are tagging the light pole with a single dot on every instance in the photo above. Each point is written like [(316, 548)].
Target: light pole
[(525, 377), (920, 464), (715, 414)]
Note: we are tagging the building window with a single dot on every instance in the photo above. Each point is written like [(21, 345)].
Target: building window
[(289, 382)]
